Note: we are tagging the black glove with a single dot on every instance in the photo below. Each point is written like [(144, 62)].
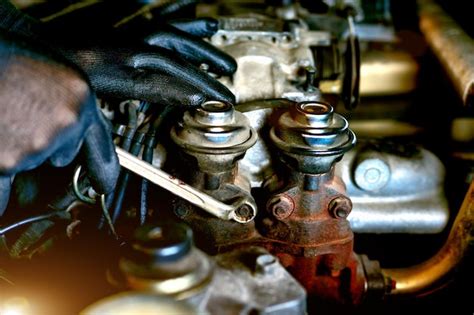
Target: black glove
[(160, 68), (124, 64), (48, 114)]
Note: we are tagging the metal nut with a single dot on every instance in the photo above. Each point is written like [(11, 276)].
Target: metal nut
[(340, 207), (245, 213), (281, 206)]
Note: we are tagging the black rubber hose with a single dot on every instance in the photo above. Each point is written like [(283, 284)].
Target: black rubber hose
[(136, 146), (131, 127), (147, 157), (126, 143), (150, 143)]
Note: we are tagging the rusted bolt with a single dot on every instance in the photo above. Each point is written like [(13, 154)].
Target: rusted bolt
[(245, 213), (340, 207), (265, 264), (281, 206)]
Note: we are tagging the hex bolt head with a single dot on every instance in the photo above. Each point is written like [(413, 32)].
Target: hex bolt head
[(265, 264), (245, 213), (340, 207), (281, 206)]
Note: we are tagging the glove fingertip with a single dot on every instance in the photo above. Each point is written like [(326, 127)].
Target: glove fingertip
[(211, 25), (229, 66), (224, 95), (103, 180), (202, 27), (101, 161)]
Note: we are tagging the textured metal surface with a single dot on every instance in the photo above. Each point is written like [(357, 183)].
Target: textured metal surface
[(213, 139), (412, 201), (395, 188), (305, 222), (306, 205), (453, 47), (244, 281), (257, 164), (251, 281), (268, 57), (216, 136)]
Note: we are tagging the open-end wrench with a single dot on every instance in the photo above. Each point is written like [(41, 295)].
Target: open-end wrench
[(243, 210)]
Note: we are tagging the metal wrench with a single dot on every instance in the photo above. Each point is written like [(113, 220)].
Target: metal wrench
[(242, 211)]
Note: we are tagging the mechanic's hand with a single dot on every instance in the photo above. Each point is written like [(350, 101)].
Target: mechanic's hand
[(159, 66), (48, 113), (163, 68), (154, 62)]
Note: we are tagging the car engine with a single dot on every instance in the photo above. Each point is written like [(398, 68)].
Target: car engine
[(340, 182)]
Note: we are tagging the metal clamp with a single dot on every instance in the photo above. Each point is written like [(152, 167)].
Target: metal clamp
[(91, 201)]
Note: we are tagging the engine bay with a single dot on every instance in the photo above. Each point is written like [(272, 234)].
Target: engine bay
[(340, 181)]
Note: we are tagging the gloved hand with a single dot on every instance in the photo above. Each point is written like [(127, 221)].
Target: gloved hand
[(49, 113), (159, 68), (125, 64)]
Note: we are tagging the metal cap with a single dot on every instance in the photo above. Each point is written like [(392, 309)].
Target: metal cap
[(166, 242), (312, 136), (214, 126), (214, 113)]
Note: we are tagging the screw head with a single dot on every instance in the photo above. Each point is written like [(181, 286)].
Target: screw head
[(340, 207), (281, 206)]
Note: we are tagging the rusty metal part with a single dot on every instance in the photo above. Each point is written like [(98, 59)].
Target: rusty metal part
[(181, 189), (340, 207), (453, 47), (396, 206), (428, 275), (213, 139), (377, 285), (313, 240), (310, 242), (281, 206), (309, 234), (216, 135)]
